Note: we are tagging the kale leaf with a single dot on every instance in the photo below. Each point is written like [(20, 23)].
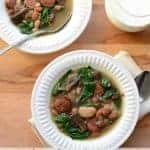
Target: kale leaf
[(118, 103), (87, 78), (26, 27), (45, 16), (85, 74), (58, 88), (87, 92), (110, 94), (63, 118), (105, 83), (66, 123)]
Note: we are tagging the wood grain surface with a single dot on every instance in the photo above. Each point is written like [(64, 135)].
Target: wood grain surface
[(18, 72)]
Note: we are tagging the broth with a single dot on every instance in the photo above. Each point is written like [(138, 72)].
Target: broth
[(86, 103), (62, 16)]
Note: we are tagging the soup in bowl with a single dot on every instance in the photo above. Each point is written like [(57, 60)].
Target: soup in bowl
[(85, 100), (85, 103), (32, 15)]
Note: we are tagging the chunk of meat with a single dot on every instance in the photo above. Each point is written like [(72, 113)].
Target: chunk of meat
[(105, 111), (62, 104), (47, 3), (99, 113), (92, 126), (101, 123), (35, 15), (11, 12), (99, 91), (38, 9), (11, 4), (114, 115), (95, 99), (97, 75), (30, 3)]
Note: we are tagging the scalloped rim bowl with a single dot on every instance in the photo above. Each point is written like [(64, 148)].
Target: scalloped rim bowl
[(102, 62), (47, 44)]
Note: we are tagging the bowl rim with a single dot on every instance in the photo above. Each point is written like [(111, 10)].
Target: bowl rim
[(81, 12), (84, 52)]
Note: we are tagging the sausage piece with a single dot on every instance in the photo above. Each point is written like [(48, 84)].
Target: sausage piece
[(92, 126), (99, 113), (105, 111), (47, 3), (62, 104), (30, 3), (114, 115), (99, 91), (10, 3)]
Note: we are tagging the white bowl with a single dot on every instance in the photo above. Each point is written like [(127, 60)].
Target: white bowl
[(42, 91), (50, 43)]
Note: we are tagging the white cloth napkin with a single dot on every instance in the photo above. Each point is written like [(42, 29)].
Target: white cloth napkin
[(130, 65)]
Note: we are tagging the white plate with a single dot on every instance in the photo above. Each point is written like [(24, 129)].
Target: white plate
[(49, 76), (51, 43)]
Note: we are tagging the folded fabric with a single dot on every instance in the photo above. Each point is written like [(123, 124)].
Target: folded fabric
[(129, 64)]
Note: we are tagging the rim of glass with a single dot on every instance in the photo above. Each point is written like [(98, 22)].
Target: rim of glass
[(118, 2)]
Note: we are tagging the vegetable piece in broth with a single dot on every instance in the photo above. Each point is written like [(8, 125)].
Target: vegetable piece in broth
[(26, 27), (105, 83), (58, 88), (88, 82), (64, 120)]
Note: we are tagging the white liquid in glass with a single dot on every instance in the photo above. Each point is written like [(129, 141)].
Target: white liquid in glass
[(129, 15), (136, 7)]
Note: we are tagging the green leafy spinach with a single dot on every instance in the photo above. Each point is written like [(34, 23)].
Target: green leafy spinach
[(109, 94), (26, 27), (45, 16), (85, 73), (58, 88), (87, 79), (87, 92), (118, 103), (105, 83), (75, 133)]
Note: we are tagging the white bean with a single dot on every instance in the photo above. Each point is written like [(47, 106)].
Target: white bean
[(87, 112)]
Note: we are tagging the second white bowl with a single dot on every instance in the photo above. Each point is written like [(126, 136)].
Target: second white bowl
[(46, 44)]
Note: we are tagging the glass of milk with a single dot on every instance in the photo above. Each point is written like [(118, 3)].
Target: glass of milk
[(129, 15)]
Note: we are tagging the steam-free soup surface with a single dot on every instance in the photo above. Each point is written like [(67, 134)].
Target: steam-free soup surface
[(85, 103), (32, 15)]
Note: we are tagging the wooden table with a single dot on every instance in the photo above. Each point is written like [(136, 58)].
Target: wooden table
[(18, 72)]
